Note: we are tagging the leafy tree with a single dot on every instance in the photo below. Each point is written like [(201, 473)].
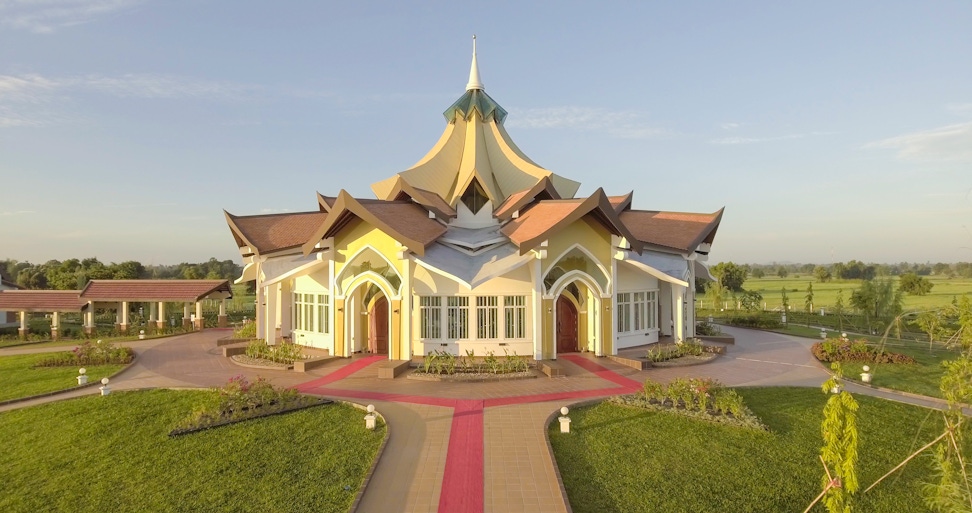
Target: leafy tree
[(782, 272), (808, 299), (758, 272), (839, 309), (915, 285), (839, 453), (934, 323), (822, 274), (730, 275), (751, 300), (877, 299), (838, 270)]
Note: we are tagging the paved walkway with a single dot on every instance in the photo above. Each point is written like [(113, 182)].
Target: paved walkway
[(470, 447)]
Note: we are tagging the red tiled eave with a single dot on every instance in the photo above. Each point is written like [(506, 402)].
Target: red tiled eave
[(154, 290), (41, 301)]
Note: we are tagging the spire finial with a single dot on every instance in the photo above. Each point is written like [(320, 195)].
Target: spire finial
[(474, 82)]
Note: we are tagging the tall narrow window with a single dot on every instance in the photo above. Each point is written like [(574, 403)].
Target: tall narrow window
[(514, 311), (475, 197), (431, 317), (458, 314), (652, 306), (487, 317), (624, 312), (639, 315), (323, 313)]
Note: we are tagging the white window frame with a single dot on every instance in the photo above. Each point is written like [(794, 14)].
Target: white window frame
[(514, 316), (312, 312), (637, 311), (430, 317), (487, 317), (457, 317)]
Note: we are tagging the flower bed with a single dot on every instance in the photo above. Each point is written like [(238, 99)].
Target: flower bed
[(241, 400), (703, 399), (284, 352), (693, 347), (844, 350), (439, 363), (89, 353)]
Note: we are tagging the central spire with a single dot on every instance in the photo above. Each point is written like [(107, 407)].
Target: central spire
[(474, 82)]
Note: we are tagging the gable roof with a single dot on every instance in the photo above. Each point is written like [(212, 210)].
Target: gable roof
[(402, 190), (405, 221), (545, 218), (544, 189), (274, 232), (153, 290), (682, 231), (41, 301), (621, 203)]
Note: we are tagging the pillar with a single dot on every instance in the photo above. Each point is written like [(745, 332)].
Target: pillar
[(55, 324), (160, 322), (547, 329), (259, 313), (679, 312), (338, 328), (123, 318), (186, 317), (200, 322), (395, 337), (270, 315), (23, 330), (286, 319), (89, 319), (221, 319), (608, 347), (153, 314), (118, 320)]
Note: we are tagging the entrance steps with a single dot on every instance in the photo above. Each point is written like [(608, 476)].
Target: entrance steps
[(390, 369), (551, 368)]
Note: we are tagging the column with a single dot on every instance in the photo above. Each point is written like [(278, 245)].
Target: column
[(153, 314), (286, 309), (160, 323), (23, 330), (221, 320), (55, 324), (679, 312), (118, 319), (270, 315), (89, 319), (200, 322), (186, 317), (259, 311), (123, 319)]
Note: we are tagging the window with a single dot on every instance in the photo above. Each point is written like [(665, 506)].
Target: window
[(637, 311), (323, 313), (515, 313), (312, 312), (475, 197), (487, 317), (431, 316), (458, 314), (624, 312)]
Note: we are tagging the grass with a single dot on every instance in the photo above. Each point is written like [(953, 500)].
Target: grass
[(113, 454), (922, 377), (625, 459), (19, 379)]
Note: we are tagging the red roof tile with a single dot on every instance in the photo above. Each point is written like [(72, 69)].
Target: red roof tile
[(677, 230), (41, 301), (153, 290)]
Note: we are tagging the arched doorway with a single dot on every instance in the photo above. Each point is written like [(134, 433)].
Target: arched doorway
[(378, 326), (566, 325)]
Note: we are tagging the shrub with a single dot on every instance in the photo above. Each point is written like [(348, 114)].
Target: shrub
[(654, 391), (90, 353), (728, 401), (248, 330), (844, 350), (284, 352), (754, 321), (680, 390), (240, 399), (706, 328)]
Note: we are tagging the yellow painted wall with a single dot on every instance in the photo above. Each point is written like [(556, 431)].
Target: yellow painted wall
[(546, 314), (361, 234), (339, 328), (597, 242), (607, 338)]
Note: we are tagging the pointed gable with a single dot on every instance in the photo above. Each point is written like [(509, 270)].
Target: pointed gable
[(682, 231), (274, 232)]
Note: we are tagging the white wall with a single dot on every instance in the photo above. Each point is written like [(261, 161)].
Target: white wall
[(630, 279)]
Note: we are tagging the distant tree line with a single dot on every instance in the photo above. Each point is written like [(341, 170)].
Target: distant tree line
[(73, 273), (857, 270)]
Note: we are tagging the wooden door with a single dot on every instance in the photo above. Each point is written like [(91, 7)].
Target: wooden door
[(566, 326), (378, 327)]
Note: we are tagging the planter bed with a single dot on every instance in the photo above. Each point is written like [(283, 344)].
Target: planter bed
[(470, 377), (259, 363), (685, 361), (748, 420), (269, 411)]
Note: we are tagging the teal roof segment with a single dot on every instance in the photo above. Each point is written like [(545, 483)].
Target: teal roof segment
[(475, 99)]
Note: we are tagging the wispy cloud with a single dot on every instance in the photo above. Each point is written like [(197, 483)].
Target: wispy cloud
[(17, 213), (46, 16), (753, 140), (730, 126), (947, 143), (622, 124)]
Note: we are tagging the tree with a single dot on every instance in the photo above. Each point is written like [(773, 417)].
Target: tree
[(934, 324), (822, 274), (782, 272), (877, 299), (839, 309), (839, 453), (839, 270), (808, 299), (915, 285), (758, 272), (751, 300), (730, 275)]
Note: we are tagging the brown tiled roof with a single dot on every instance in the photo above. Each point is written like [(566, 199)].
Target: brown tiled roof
[(683, 231), (274, 232), (405, 221), (543, 189), (325, 202), (153, 290), (621, 203), (545, 218), (41, 301), (402, 190)]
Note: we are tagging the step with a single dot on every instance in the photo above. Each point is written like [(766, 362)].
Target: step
[(313, 363), (390, 369), (551, 368)]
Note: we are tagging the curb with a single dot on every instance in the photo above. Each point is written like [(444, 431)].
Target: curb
[(76, 387), (374, 463), (553, 459)]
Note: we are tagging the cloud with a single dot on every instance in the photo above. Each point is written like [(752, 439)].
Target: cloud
[(730, 126), (947, 143), (622, 124), (47, 16), (752, 140), (17, 213)]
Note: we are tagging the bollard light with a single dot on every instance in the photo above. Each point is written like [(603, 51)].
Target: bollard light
[(823, 334), (82, 376), (105, 389), (564, 420), (866, 375), (370, 417)]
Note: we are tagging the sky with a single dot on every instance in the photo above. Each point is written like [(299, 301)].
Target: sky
[(828, 130)]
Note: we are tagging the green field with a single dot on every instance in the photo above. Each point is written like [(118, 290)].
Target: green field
[(19, 378), (114, 454), (618, 458), (825, 293)]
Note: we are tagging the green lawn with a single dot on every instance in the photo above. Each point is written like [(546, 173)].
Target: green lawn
[(18, 378), (920, 378), (629, 460), (113, 454)]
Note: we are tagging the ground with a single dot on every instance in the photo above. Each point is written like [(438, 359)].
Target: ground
[(470, 447)]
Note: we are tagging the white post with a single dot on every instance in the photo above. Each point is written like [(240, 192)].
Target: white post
[(123, 318), (270, 323), (160, 322), (260, 312), (153, 312)]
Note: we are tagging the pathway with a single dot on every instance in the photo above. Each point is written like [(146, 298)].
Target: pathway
[(471, 447)]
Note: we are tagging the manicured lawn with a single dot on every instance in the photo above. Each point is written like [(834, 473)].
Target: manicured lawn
[(920, 378), (624, 459), (18, 378), (113, 454)]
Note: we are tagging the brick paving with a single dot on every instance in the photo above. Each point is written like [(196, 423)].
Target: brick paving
[(462, 447)]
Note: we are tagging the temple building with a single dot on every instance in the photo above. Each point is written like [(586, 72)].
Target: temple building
[(475, 248)]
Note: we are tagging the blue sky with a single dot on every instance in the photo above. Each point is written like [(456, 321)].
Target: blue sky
[(830, 131)]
